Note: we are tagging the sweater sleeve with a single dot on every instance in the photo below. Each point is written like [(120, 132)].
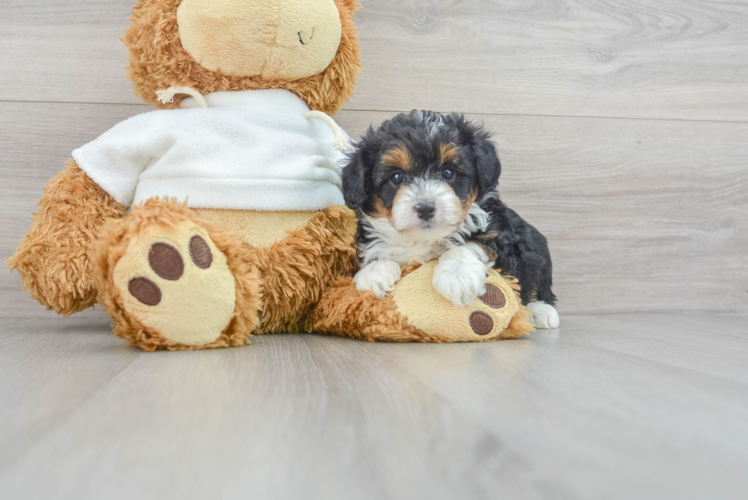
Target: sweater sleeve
[(116, 159)]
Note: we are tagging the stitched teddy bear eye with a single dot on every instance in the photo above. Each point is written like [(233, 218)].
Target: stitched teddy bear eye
[(397, 178), (448, 174)]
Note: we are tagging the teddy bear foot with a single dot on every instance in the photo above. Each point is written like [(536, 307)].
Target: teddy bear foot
[(416, 312), (179, 285), (174, 282)]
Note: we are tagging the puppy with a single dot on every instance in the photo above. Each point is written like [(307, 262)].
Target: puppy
[(424, 186)]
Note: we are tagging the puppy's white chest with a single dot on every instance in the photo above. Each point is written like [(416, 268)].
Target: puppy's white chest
[(418, 252), (403, 251)]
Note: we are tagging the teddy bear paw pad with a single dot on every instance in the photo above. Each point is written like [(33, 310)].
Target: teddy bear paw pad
[(179, 284), (480, 321), (494, 297), (427, 310)]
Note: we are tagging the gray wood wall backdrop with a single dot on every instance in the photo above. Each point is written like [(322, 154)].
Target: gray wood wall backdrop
[(622, 125)]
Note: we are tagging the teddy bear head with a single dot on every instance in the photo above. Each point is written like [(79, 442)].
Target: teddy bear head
[(308, 47)]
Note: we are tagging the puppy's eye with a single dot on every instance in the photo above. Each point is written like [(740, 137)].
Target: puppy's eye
[(448, 174), (397, 178)]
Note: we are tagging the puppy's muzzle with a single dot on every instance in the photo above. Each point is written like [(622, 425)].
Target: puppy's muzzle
[(426, 210)]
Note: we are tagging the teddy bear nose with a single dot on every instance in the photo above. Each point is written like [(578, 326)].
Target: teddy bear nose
[(305, 36), (426, 210)]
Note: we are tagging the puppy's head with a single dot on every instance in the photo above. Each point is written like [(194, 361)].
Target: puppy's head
[(422, 171)]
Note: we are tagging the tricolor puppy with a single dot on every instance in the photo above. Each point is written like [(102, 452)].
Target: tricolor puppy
[(424, 187)]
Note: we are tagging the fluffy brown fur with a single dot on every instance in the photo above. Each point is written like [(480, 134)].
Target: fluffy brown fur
[(348, 312), (54, 259), (520, 324), (296, 271), (112, 245), (158, 61)]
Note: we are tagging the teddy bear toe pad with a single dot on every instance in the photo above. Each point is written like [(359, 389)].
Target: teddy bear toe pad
[(178, 283)]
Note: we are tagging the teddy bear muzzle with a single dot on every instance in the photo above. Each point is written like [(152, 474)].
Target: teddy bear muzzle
[(272, 39)]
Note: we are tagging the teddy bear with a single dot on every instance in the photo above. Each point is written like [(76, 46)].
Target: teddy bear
[(220, 215)]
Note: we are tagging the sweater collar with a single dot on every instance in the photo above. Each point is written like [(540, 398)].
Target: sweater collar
[(264, 100)]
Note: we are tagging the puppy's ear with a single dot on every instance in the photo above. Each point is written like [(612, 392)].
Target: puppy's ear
[(487, 164), (354, 180)]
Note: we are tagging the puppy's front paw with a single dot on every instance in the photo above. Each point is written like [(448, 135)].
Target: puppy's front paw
[(460, 276), (543, 315), (379, 277)]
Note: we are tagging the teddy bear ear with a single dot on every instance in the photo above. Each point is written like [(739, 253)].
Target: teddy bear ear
[(350, 5)]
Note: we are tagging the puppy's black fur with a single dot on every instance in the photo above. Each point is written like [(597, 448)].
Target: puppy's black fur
[(518, 248)]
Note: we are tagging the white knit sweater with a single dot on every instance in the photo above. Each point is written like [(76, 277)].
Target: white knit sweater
[(248, 150)]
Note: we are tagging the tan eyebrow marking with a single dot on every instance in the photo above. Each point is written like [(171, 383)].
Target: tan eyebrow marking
[(397, 157), (469, 201), (448, 152), (381, 210)]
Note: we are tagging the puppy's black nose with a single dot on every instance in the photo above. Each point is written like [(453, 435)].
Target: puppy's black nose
[(426, 210)]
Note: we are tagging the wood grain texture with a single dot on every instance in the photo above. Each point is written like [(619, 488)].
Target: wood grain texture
[(641, 215), (682, 59), (614, 407), (631, 58)]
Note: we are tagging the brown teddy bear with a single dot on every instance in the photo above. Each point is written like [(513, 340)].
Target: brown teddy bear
[(220, 214)]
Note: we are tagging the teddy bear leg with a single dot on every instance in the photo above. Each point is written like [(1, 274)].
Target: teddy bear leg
[(416, 312), (296, 271), (172, 280)]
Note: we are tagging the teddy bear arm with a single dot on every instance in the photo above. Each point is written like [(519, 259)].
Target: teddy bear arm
[(54, 259)]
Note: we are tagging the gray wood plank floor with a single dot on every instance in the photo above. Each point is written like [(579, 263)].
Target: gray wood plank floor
[(614, 407)]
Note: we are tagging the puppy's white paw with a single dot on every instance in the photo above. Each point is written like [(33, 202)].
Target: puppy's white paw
[(543, 315), (460, 275), (379, 276)]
